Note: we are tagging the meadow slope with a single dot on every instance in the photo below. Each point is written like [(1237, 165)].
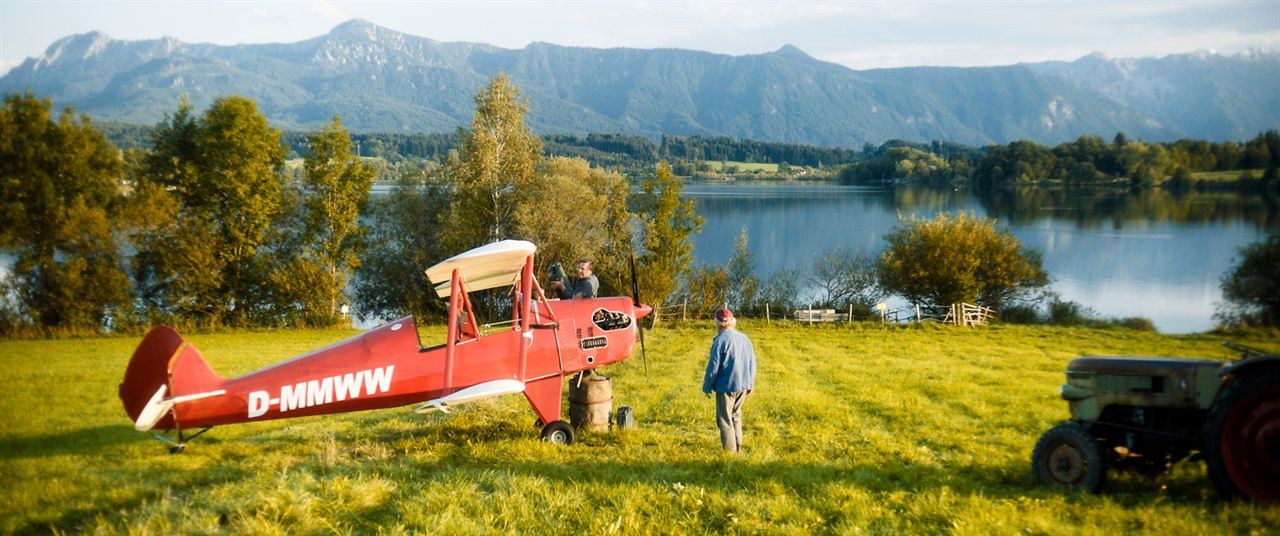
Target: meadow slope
[(852, 429)]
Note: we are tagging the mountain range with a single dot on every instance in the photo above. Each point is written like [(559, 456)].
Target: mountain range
[(380, 80)]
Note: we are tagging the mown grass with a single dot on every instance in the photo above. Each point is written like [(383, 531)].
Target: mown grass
[(851, 430)]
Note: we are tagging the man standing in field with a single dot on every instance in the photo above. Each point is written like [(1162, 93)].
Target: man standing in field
[(731, 373)]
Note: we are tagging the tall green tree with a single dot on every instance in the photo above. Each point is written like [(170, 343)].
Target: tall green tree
[(502, 188), (324, 244), (494, 169), (958, 259), (573, 211), (613, 255), (666, 225), (706, 288), (404, 241), (224, 171), (744, 286), (59, 182)]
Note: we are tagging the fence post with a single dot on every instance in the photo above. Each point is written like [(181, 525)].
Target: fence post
[(767, 321), (684, 311), (849, 320)]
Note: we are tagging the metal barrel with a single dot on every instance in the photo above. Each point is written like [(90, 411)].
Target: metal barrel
[(590, 401)]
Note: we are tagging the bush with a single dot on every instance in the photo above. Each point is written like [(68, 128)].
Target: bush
[(1023, 313), (1252, 287), (1136, 322), (958, 259), (1069, 313)]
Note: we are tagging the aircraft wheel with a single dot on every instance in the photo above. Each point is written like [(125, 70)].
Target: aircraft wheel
[(178, 449), (558, 432), (1068, 456)]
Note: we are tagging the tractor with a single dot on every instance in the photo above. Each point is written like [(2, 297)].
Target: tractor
[(1147, 413)]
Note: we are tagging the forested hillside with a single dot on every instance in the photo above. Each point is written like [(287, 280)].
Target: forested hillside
[(380, 80)]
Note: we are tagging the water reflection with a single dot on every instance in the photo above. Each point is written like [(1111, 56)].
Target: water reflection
[(1151, 253)]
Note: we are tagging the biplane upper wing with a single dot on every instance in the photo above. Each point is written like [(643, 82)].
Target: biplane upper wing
[(489, 266)]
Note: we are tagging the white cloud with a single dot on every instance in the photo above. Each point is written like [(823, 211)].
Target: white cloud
[(328, 10), (6, 64)]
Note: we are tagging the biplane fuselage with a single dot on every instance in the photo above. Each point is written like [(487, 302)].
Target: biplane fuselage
[(169, 386)]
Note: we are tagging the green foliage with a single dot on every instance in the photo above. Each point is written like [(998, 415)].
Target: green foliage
[(566, 215), (666, 223), (224, 169), (958, 259), (1251, 288), (851, 430), (781, 291), (1143, 164), (1069, 313), (706, 288), (1018, 162), (1059, 312), (1089, 160), (844, 277), (726, 149), (494, 171), (403, 242), (322, 248), (59, 182), (575, 211), (497, 186), (744, 286), (897, 160)]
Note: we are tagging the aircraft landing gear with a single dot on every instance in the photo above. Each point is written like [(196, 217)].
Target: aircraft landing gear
[(180, 445), (558, 432)]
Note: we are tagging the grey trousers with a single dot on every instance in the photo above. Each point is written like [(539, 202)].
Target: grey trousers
[(729, 419)]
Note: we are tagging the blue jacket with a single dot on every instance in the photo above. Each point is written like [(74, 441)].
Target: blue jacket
[(732, 366)]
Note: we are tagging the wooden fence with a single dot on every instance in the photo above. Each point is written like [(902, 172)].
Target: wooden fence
[(959, 314)]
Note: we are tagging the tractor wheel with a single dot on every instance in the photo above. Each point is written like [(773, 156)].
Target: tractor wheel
[(1068, 456), (1242, 438), (558, 432)]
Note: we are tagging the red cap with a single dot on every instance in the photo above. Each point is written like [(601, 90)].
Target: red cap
[(723, 314)]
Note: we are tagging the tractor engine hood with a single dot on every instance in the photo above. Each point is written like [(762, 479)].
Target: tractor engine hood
[(1095, 382)]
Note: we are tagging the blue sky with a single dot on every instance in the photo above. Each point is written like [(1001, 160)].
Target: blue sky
[(858, 34)]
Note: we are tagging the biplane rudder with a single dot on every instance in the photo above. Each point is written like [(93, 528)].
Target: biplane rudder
[(163, 366)]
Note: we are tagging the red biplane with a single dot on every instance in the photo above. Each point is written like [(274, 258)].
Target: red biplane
[(168, 385)]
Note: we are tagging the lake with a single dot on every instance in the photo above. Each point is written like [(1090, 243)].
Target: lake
[(1149, 253)]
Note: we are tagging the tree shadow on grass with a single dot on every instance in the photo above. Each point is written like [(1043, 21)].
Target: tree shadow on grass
[(810, 478), (81, 441)]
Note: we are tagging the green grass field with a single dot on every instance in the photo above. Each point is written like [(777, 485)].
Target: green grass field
[(917, 430), (746, 167), (1224, 176)]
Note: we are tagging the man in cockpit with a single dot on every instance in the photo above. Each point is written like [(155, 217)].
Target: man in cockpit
[(586, 285)]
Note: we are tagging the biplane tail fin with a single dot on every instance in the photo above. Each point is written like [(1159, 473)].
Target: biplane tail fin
[(164, 370)]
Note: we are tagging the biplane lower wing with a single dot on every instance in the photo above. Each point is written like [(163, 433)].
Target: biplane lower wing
[(471, 394)]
